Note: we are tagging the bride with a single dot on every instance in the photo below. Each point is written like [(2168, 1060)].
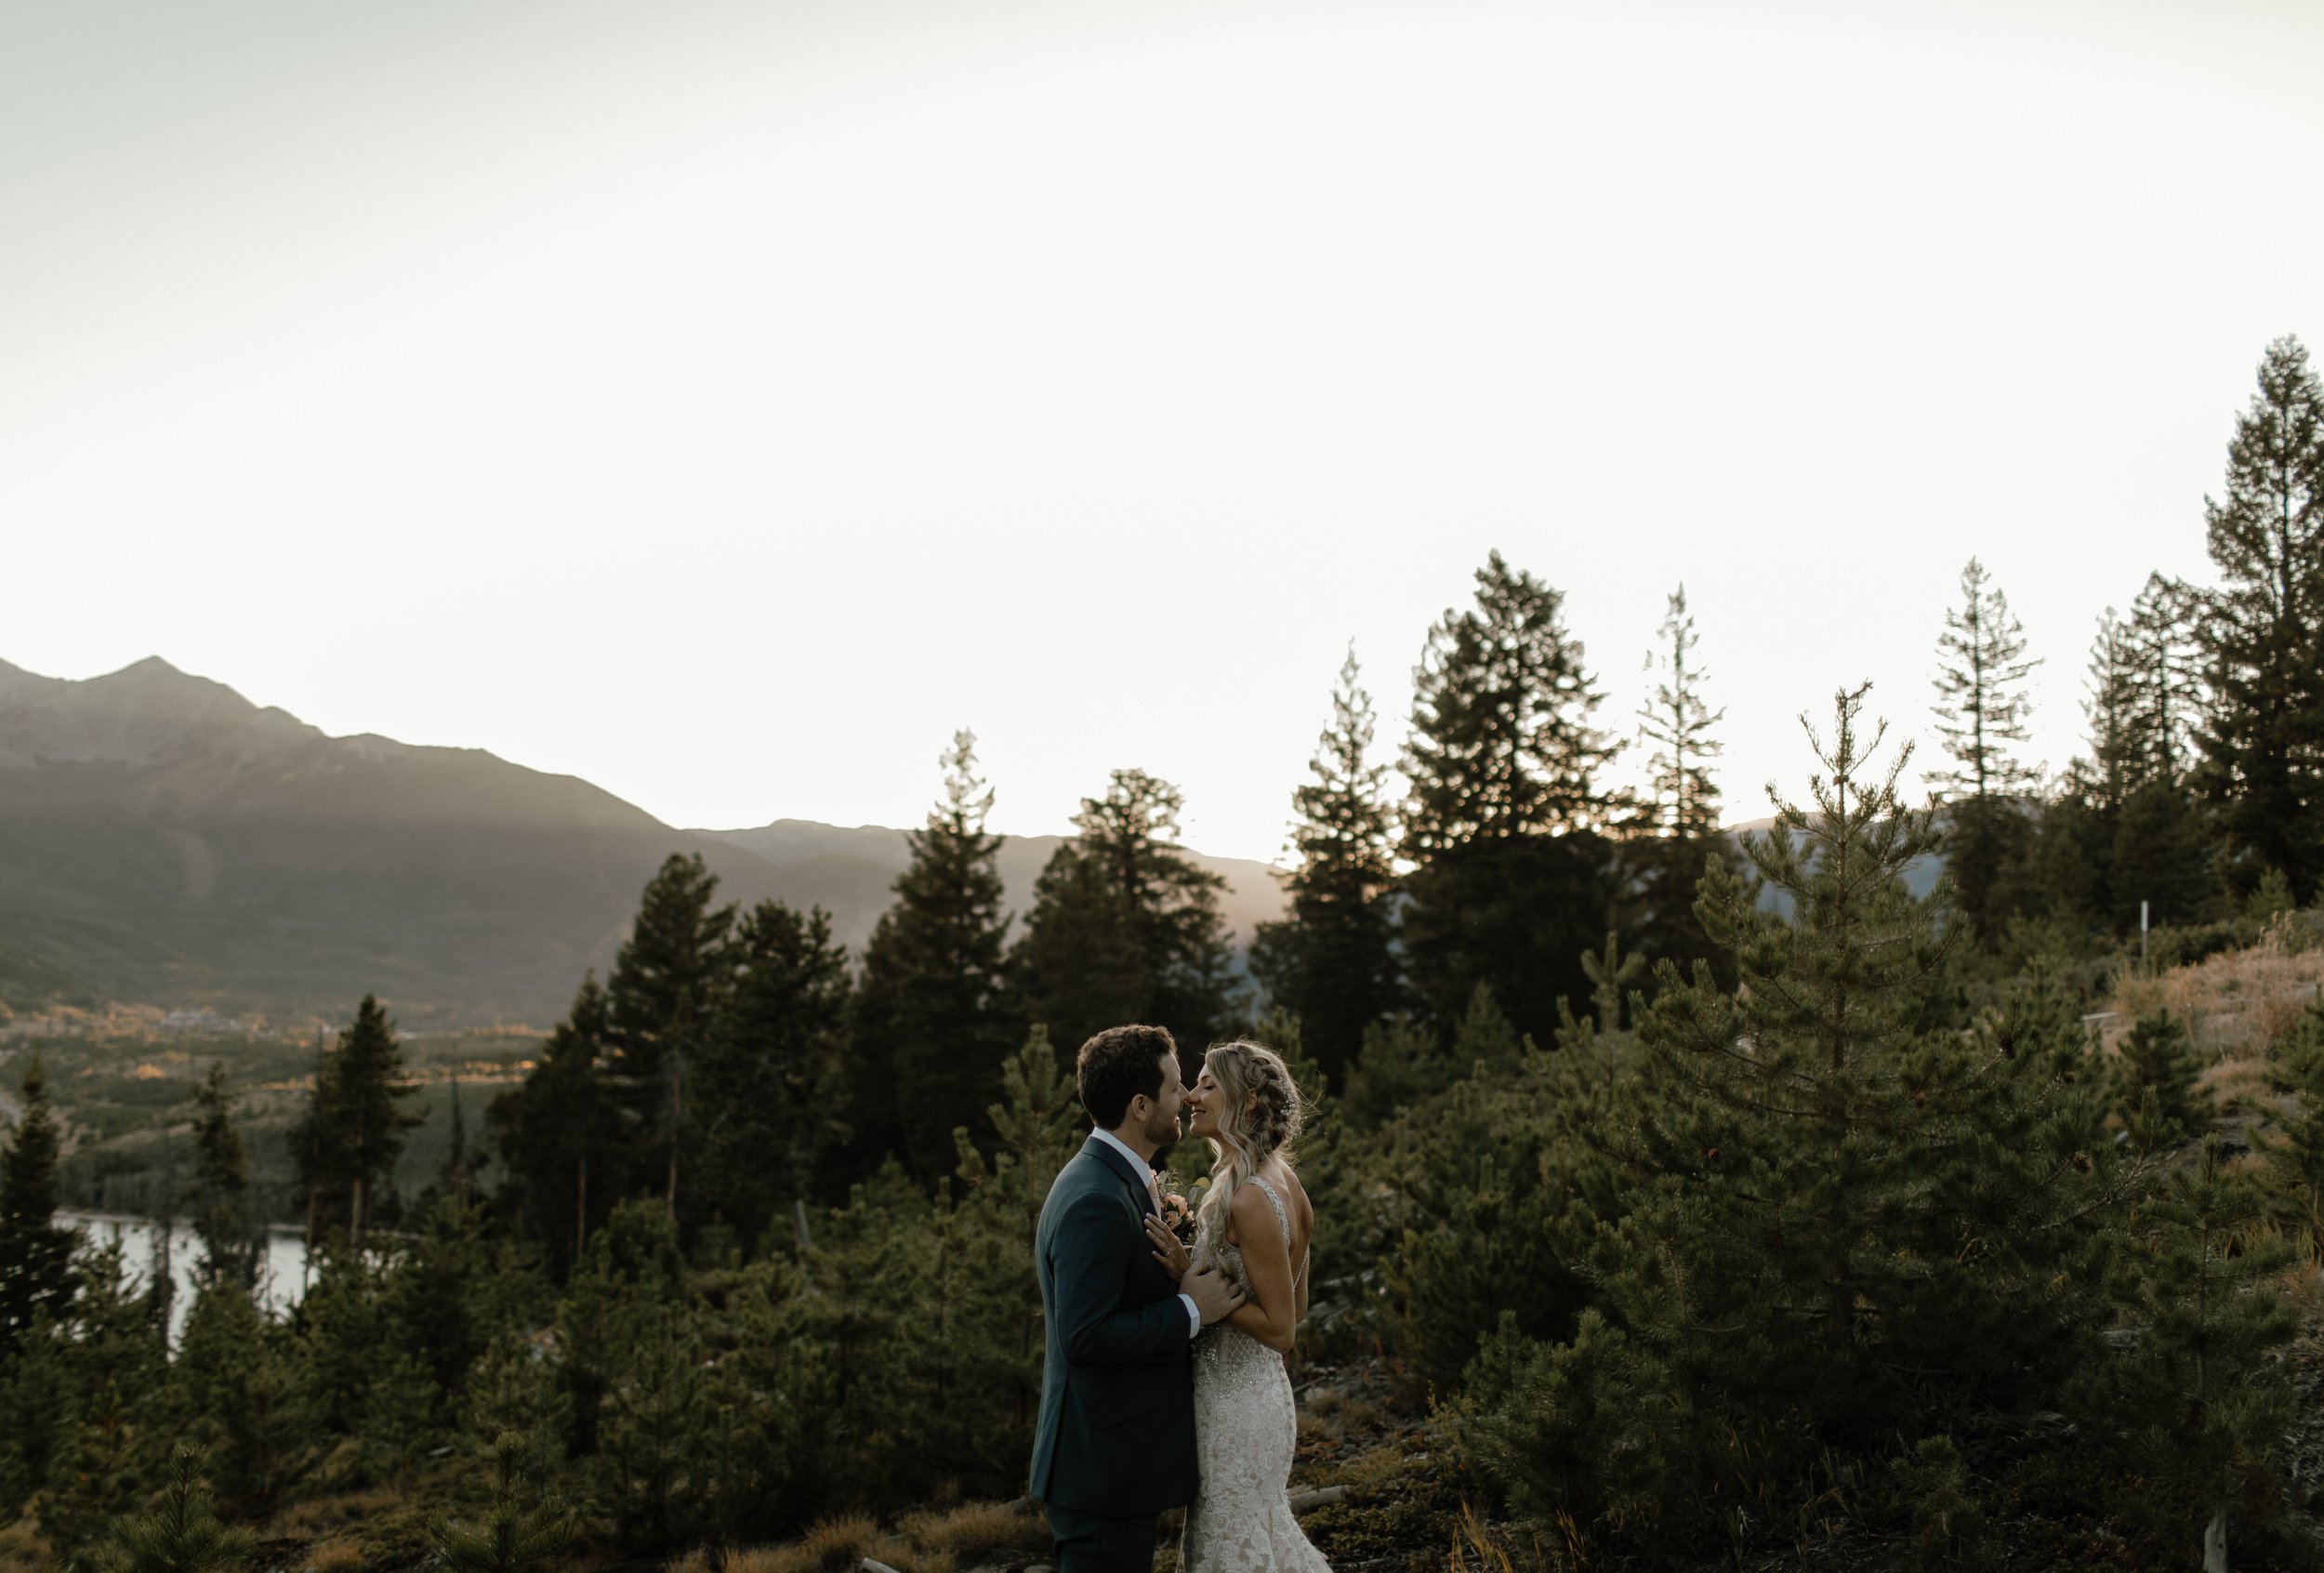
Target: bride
[(1255, 1225)]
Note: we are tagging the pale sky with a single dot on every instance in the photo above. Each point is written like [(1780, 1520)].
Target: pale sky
[(725, 401)]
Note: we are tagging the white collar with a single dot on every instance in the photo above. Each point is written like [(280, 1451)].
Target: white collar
[(1126, 1151)]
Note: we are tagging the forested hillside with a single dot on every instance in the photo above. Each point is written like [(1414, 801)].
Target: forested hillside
[(1683, 1203)]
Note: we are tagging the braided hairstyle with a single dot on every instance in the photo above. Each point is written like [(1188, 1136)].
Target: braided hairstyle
[(1248, 1136)]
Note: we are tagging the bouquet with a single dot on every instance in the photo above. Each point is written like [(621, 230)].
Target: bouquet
[(1177, 1213)]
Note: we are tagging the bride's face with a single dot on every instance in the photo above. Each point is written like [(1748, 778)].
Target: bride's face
[(1202, 1105)]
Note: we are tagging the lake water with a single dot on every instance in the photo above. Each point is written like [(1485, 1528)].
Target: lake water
[(280, 1281)]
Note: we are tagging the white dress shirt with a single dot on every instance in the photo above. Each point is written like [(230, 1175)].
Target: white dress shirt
[(1194, 1315)]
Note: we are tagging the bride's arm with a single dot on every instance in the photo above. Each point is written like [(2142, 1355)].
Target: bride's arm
[(1271, 1315)]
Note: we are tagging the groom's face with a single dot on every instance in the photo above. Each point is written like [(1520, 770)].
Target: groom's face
[(1163, 1111)]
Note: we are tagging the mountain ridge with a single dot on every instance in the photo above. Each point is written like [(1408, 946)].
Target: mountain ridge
[(165, 841)]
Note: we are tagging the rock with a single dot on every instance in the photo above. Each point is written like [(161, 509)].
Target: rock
[(872, 1567), (1323, 1496)]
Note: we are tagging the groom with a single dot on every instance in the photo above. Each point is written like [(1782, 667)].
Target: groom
[(1115, 1444)]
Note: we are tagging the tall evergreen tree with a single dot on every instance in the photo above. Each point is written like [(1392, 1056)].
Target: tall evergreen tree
[(666, 979), (2161, 858), (934, 1019), (1125, 926), (346, 1147), (1677, 833), (2123, 829), (2264, 749), (2200, 1404), (225, 1215), (766, 1098), (1332, 960), (1840, 1222), (2165, 657), (1676, 724), (36, 1255), (2114, 713), (1503, 744), (1511, 883), (1981, 707), (1982, 704), (559, 1135)]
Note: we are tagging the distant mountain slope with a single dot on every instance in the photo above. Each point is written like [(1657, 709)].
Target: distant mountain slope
[(839, 856), (163, 841)]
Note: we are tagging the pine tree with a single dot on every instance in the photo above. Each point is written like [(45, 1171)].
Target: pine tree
[(2165, 658), (673, 960), (115, 1364), (2200, 1401), (236, 1389), (181, 1532), (1125, 926), (1512, 883), (559, 1134), (453, 1177), (1503, 744), (2264, 640), (2124, 828), (346, 1146), (1038, 1124), (515, 1534), (934, 1019), (2294, 1152), (1676, 725), (1078, 967), (36, 1255), (2161, 857), (1838, 1218), (2159, 1058), (225, 1216), (1982, 705), (1332, 960), (766, 1096), (1981, 708), (2115, 712), (1660, 862)]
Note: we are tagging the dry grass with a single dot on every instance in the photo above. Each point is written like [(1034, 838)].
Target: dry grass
[(22, 1550), (2237, 1087), (788, 1558), (2236, 1005), (319, 1516), (973, 1531), (938, 1541), (1480, 1547), (335, 1556)]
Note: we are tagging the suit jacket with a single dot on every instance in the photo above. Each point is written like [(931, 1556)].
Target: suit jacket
[(1117, 1433)]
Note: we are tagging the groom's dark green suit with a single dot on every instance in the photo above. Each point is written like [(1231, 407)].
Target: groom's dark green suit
[(1115, 1444)]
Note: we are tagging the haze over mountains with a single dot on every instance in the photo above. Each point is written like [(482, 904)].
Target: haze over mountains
[(164, 841)]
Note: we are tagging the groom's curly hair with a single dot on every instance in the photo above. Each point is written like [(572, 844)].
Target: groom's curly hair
[(1116, 1065)]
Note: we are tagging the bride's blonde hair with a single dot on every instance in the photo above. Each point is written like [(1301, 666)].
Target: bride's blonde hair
[(1248, 1136)]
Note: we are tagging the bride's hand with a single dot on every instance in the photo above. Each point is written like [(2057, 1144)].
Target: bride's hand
[(1168, 1249)]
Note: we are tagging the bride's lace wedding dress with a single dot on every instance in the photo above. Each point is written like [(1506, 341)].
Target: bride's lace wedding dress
[(1245, 1429)]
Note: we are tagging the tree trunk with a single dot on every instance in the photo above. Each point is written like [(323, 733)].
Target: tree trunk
[(581, 1209), (2215, 1543)]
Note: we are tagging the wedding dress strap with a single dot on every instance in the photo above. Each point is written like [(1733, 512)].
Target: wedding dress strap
[(1283, 1220)]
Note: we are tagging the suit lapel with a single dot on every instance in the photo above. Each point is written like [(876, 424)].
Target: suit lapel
[(1123, 1168)]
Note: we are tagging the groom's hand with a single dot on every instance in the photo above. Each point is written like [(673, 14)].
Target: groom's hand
[(1213, 1292)]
